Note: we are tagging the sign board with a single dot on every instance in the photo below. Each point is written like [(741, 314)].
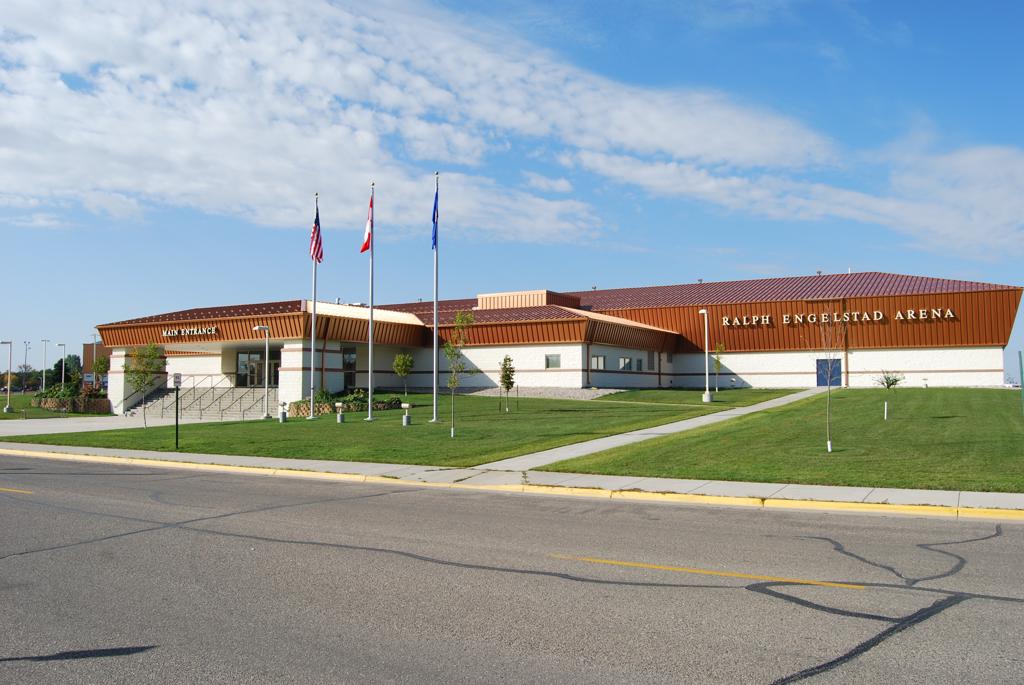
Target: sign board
[(177, 380), (89, 378)]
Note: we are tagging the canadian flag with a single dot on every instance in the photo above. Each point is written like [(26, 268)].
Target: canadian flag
[(368, 235)]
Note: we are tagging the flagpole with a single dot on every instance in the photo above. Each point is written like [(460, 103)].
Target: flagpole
[(369, 400), (312, 336), (436, 219)]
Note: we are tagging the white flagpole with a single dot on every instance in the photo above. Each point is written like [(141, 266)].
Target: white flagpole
[(312, 338), (369, 400), (434, 420)]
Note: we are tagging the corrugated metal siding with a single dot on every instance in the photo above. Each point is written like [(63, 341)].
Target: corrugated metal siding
[(983, 319), (523, 333), (129, 335)]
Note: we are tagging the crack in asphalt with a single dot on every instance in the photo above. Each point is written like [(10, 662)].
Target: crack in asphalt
[(896, 624)]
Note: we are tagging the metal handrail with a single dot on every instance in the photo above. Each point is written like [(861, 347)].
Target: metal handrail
[(141, 391), (207, 391), (259, 403), (230, 404)]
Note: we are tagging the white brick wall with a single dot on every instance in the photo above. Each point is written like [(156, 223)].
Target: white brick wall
[(971, 366)]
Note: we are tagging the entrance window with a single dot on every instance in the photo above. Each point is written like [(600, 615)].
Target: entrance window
[(250, 368), (348, 365)]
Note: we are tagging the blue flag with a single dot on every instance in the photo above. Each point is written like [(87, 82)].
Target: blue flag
[(434, 241)]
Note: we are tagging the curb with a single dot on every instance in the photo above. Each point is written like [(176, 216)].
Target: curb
[(927, 510)]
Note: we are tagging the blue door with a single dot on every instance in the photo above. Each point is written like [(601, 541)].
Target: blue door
[(830, 371)]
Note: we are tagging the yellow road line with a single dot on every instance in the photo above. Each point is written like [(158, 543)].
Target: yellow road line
[(21, 492), (705, 572)]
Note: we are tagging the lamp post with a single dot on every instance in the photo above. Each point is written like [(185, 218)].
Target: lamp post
[(93, 364), (266, 370), (63, 355), (10, 361), (45, 340), (707, 361), (24, 381)]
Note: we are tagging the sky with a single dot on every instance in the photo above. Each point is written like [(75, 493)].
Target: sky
[(164, 155)]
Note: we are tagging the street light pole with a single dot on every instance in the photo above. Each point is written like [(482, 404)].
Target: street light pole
[(45, 340), (10, 361), (24, 381), (63, 356), (266, 369), (707, 367), (93, 364)]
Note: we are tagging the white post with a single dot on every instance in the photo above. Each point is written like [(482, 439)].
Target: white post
[(10, 361), (885, 413), (44, 341), (369, 380), (266, 369), (707, 361), (93, 360), (435, 238)]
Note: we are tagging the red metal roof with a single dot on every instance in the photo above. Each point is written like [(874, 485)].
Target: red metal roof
[(259, 309), (825, 286), (545, 313)]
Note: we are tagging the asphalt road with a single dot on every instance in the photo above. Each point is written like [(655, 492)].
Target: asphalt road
[(112, 574)]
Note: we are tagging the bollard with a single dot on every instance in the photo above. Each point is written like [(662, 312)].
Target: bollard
[(282, 416), (406, 419), (341, 417)]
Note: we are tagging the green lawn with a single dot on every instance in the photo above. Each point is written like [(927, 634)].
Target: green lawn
[(22, 410), (724, 399), (483, 433), (935, 438)]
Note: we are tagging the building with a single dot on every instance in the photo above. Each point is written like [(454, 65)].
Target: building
[(779, 332), (91, 351)]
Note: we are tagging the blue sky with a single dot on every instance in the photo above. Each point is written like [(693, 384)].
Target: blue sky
[(165, 155)]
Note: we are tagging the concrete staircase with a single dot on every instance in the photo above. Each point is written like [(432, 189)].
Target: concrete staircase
[(216, 403)]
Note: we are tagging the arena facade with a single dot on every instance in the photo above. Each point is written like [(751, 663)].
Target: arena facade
[(843, 329)]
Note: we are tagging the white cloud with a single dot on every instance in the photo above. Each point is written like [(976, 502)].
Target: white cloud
[(247, 109), (546, 184), (968, 201)]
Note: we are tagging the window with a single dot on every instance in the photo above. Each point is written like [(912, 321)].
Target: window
[(640, 364), (597, 362), (552, 361), (625, 363), (348, 365), (650, 361), (668, 357)]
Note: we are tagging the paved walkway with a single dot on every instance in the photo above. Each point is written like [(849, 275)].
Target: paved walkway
[(81, 424), (624, 487), (537, 459)]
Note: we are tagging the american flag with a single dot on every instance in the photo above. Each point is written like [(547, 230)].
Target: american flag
[(316, 247)]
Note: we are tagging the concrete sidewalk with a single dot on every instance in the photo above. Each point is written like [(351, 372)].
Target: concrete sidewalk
[(525, 462), (945, 503), (82, 424)]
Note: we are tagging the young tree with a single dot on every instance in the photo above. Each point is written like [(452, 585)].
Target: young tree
[(140, 371), (508, 377), (100, 368), (833, 340), (889, 380), (24, 375), (402, 367), (719, 349), (453, 352)]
